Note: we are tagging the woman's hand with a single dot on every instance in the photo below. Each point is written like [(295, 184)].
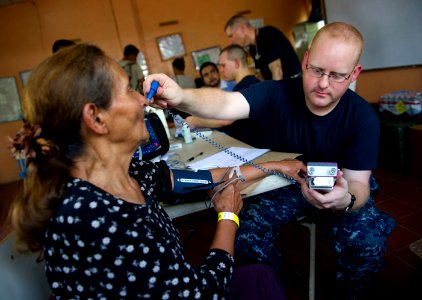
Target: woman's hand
[(291, 167), (228, 200), (190, 121)]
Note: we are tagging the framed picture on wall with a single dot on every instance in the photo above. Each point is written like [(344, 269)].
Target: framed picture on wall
[(204, 55), (171, 46), (10, 105)]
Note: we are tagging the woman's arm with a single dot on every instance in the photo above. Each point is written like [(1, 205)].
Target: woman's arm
[(290, 167), (228, 200)]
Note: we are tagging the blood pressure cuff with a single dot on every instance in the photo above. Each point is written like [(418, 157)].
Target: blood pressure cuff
[(186, 181)]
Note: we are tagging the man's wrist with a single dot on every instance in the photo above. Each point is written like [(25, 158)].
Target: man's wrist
[(351, 204)]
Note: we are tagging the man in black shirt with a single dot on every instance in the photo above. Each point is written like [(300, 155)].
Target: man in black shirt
[(272, 52), (233, 66)]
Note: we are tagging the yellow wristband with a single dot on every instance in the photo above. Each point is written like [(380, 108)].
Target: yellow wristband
[(228, 216)]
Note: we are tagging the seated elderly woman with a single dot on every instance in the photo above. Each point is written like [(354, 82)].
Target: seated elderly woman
[(92, 210)]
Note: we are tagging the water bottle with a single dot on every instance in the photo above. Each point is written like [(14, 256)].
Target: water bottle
[(186, 134)]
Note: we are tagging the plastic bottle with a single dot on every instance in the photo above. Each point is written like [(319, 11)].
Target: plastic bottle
[(186, 134)]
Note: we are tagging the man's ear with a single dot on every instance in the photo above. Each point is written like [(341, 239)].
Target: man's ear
[(305, 60), (356, 72), (93, 118), (237, 63)]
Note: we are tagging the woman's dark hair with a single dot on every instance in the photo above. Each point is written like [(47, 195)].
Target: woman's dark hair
[(60, 44), (54, 97)]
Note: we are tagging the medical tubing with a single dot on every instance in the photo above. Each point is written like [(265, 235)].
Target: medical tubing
[(226, 150)]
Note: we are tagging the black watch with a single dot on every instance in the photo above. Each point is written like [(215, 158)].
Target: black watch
[(352, 202)]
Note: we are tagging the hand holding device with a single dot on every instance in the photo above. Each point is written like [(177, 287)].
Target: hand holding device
[(153, 90), (321, 175), (167, 92), (323, 190)]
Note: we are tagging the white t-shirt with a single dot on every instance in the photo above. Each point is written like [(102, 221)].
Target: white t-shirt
[(185, 81)]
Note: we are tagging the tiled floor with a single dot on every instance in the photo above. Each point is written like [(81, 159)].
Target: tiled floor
[(401, 197), (401, 278)]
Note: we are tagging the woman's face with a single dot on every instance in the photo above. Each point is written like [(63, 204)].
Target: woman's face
[(126, 115)]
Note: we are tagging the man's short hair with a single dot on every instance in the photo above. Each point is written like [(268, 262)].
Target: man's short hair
[(179, 63), (344, 32), (130, 49), (235, 51), (206, 64), (235, 20)]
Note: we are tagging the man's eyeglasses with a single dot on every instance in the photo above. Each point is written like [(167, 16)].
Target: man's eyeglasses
[(335, 77)]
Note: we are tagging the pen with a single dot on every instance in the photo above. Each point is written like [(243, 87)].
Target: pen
[(193, 157), (153, 90)]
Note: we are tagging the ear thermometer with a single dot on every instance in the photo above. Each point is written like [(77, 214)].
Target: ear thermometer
[(153, 90)]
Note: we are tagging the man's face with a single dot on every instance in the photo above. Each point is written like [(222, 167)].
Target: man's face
[(237, 35), (332, 57), (131, 57), (210, 76), (227, 67)]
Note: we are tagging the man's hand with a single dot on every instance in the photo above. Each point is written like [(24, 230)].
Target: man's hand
[(169, 94), (336, 199)]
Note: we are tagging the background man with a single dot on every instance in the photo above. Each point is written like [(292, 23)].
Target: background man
[(133, 70), (179, 74), (209, 74), (272, 52), (233, 66)]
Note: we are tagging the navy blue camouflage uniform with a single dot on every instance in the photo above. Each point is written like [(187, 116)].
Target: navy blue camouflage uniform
[(348, 135), (358, 238)]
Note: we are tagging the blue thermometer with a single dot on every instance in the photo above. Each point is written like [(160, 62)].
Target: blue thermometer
[(153, 90)]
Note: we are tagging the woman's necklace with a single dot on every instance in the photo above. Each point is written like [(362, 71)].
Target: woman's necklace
[(257, 55)]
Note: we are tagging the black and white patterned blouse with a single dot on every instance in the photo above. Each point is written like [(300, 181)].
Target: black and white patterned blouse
[(100, 247)]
